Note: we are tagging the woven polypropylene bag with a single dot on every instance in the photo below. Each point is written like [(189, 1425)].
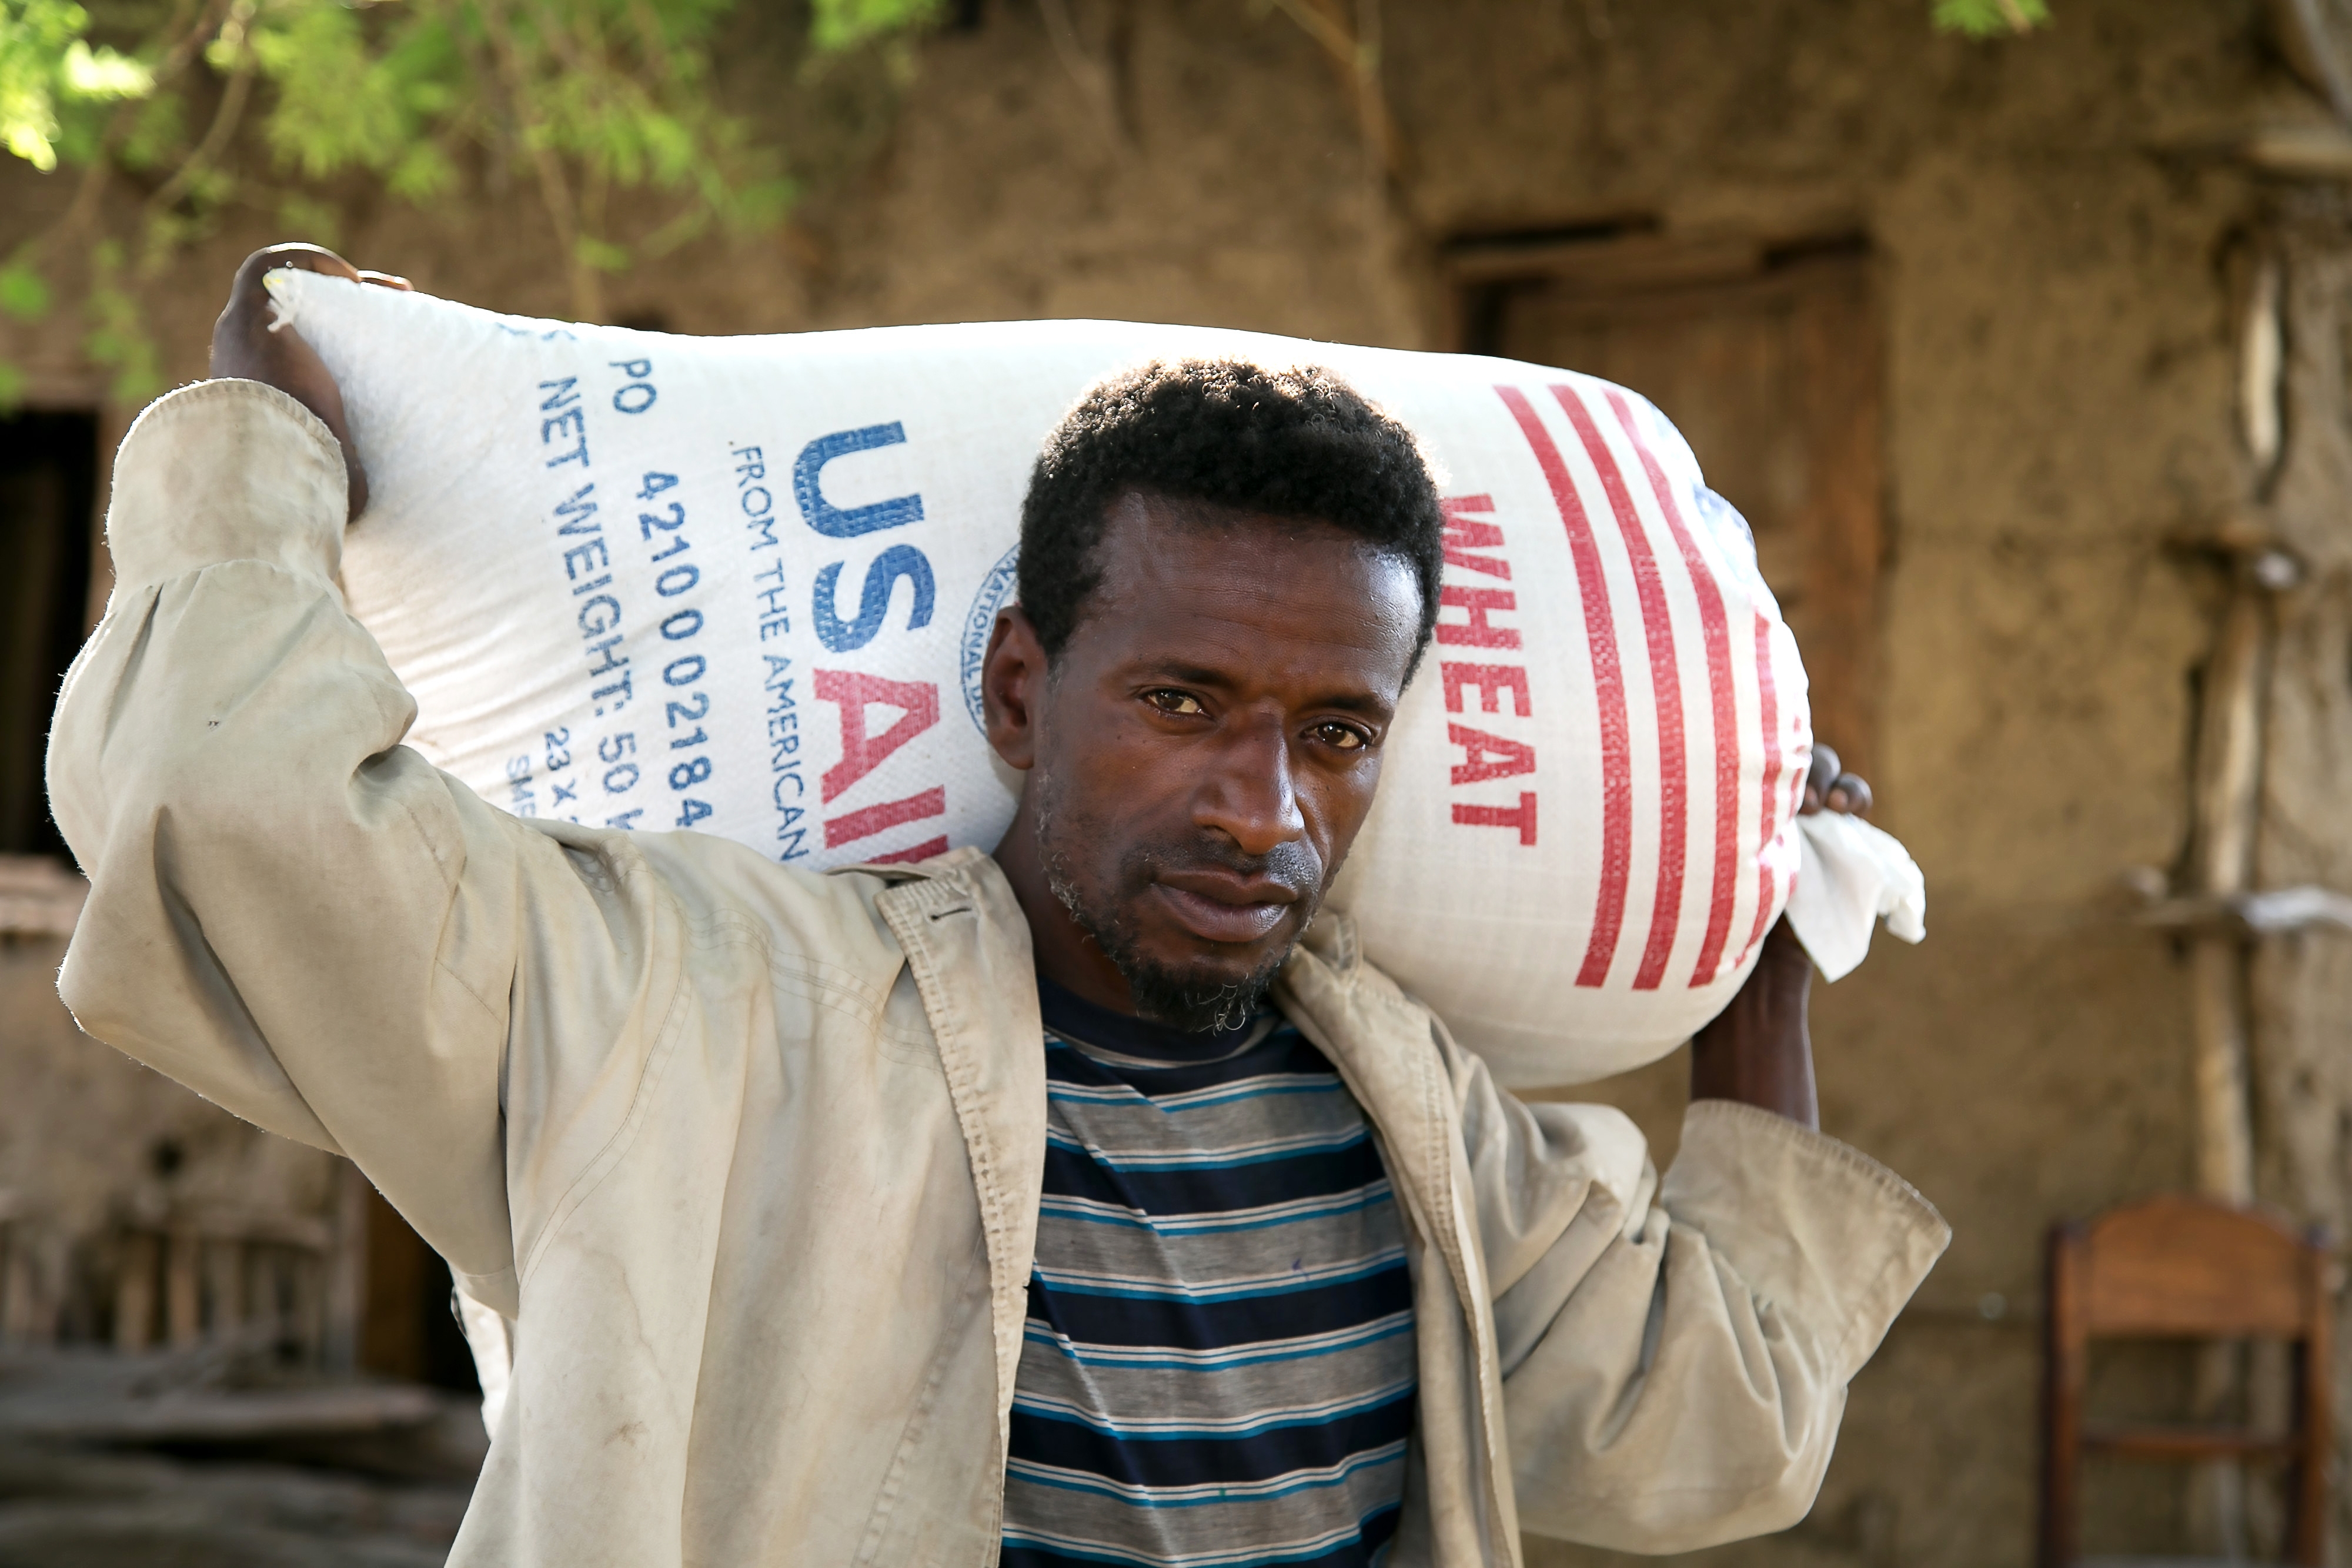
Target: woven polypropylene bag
[(744, 585)]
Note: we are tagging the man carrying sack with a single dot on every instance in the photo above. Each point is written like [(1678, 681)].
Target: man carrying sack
[(1093, 1202)]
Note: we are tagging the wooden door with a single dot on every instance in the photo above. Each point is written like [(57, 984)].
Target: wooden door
[(1768, 363)]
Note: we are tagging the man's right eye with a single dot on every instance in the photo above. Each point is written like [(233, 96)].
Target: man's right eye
[(1183, 705)]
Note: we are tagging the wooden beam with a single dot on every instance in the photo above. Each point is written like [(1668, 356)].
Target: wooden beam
[(2228, 780), (2278, 912), (1632, 261), (2300, 151), (2189, 1442)]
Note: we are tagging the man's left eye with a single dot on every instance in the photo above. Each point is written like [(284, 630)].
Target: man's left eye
[(1346, 737), (1174, 702)]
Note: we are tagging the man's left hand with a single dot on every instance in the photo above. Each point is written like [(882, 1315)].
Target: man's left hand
[(1829, 787), (1758, 1051)]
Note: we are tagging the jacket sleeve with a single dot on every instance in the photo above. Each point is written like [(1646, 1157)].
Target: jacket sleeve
[(1675, 1355), (291, 911)]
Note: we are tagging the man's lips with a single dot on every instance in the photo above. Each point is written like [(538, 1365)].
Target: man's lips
[(1226, 908)]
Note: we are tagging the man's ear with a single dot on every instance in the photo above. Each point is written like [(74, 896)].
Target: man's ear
[(1013, 687)]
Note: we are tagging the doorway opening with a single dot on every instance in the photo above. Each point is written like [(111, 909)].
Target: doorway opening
[(408, 1325), (49, 496)]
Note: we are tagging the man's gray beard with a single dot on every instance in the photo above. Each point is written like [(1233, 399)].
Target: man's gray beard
[(1165, 996)]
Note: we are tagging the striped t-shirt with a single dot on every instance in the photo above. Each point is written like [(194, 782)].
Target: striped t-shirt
[(1219, 1359)]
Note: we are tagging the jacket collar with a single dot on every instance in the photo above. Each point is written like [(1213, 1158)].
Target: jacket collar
[(1384, 1045), (967, 946)]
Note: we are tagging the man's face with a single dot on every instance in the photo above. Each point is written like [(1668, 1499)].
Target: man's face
[(1206, 748)]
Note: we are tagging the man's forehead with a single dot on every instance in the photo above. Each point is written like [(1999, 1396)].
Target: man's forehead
[(1231, 585), (1142, 529)]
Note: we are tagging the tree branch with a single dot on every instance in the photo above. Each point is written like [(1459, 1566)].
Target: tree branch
[(1093, 75), (225, 121), (1353, 50)]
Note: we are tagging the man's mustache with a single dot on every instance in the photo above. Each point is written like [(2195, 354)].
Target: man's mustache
[(1293, 864)]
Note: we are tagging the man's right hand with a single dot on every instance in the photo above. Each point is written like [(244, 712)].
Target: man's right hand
[(244, 348)]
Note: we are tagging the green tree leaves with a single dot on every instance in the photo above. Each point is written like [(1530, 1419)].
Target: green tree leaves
[(200, 108), (49, 69), (23, 293), (838, 24), (1990, 18)]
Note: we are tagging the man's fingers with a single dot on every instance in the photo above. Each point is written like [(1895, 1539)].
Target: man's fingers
[(1820, 776), (308, 257), (303, 258), (1850, 792), (1825, 769), (244, 348), (1829, 786), (247, 313), (248, 290)]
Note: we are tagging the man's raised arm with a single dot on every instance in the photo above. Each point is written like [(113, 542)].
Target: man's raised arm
[(291, 911), (1676, 1353)]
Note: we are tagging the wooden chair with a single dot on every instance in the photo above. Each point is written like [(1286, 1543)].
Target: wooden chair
[(2186, 1268)]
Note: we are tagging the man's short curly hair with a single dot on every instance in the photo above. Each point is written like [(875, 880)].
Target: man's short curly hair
[(1297, 443)]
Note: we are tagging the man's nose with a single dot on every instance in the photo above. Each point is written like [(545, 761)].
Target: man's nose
[(1250, 795)]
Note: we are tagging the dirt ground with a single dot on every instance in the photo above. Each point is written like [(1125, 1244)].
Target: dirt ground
[(2055, 224)]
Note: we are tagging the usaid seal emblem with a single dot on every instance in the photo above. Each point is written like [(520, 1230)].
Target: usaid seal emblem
[(995, 589)]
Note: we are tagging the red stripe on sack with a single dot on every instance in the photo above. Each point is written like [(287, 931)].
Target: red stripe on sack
[(1608, 691), (1716, 629), (921, 851), (852, 826), (1665, 688), (1770, 715)]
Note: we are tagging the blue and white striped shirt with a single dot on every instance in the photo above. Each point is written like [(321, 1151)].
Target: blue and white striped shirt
[(1219, 1368)]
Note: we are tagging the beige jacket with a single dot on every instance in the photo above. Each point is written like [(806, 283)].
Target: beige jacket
[(752, 1157)]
